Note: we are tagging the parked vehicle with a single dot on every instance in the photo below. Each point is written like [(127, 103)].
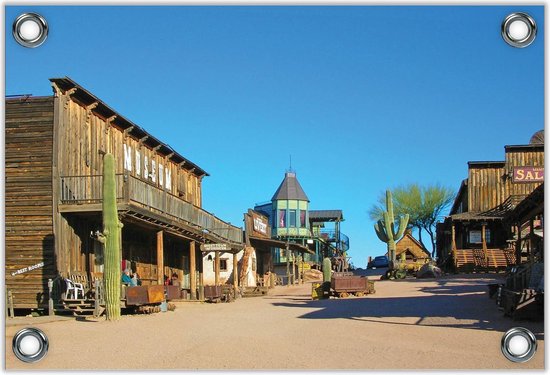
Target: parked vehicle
[(379, 262)]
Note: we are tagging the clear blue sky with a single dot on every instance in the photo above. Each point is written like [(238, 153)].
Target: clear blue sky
[(364, 98)]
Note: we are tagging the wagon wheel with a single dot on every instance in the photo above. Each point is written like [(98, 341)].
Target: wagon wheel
[(360, 294), (344, 295)]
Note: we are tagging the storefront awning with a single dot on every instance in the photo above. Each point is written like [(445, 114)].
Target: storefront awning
[(260, 241)]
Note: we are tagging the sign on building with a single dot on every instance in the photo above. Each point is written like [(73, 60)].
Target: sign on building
[(528, 174), (216, 247)]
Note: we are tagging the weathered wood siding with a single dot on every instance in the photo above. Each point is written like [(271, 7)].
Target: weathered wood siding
[(532, 156), (28, 200), (85, 135), (408, 243), (486, 189), (490, 184)]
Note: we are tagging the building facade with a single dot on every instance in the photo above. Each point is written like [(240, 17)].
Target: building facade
[(292, 221), (477, 235), (54, 161)]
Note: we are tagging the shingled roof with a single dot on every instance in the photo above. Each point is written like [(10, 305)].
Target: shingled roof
[(290, 189)]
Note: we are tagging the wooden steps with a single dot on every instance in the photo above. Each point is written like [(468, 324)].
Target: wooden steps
[(78, 307), (255, 291), (472, 260)]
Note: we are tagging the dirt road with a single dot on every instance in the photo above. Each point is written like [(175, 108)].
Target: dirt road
[(409, 324)]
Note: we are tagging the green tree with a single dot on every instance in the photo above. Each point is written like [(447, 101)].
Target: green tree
[(424, 204)]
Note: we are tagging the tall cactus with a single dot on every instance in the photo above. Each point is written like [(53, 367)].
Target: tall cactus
[(327, 265), (386, 231), (111, 240)]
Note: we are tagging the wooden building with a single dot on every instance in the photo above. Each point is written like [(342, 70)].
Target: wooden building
[(292, 221), (54, 152), (412, 248), (475, 235)]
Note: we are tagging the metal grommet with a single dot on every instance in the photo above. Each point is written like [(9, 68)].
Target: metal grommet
[(30, 30), (30, 345), (518, 344), (519, 30)]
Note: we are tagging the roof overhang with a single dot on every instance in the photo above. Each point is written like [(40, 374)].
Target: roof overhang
[(280, 244)]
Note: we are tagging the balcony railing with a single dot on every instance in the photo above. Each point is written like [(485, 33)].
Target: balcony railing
[(132, 190), (340, 240)]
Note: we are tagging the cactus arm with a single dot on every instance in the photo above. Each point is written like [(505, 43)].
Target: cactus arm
[(379, 229), (403, 221), (388, 226)]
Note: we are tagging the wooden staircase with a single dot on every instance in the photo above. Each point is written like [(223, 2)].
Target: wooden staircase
[(476, 260), (78, 307)]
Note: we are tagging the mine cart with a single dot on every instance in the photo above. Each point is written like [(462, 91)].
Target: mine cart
[(344, 284)]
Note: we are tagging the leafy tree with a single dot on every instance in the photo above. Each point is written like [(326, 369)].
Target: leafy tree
[(424, 204)]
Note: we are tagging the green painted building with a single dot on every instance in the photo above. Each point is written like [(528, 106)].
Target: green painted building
[(291, 220)]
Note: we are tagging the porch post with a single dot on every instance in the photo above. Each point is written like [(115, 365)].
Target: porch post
[(531, 240), (287, 253), (160, 258), (235, 273), (293, 268), (192, 271), (484, 245), (217, 268), (453, 243), (518, 245)]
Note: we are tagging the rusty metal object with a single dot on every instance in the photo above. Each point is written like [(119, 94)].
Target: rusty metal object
[(212, 292), (172, 292), (136, 295), (343, 284), (155, 293)]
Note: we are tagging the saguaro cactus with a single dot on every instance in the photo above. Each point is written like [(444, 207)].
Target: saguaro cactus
[(386, 231), (327, 265), (111, 240)]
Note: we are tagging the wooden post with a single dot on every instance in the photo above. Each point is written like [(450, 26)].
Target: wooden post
[(235, 273), (160, 258), (217, 268), (531, 241), (201, 286), (518, 245), (453, 242), (301, 259), (287, 253), (192, 271), (10, 303), (484, 245), (50, 297), (293, 268)]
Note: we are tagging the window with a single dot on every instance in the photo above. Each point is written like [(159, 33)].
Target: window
[(223, 264), (475, 236), (292, 218), (282, 219), (302, 218)]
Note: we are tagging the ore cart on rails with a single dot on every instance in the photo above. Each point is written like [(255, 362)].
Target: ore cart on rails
[(344, 284)]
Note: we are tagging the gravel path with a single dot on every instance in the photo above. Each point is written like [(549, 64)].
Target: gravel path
[(448, 323)]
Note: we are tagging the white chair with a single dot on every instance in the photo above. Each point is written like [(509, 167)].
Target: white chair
[(74, 288)]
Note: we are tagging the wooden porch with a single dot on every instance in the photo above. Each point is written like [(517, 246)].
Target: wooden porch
[(146, 202)]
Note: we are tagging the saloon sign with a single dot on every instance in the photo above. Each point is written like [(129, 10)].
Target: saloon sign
[(528, 174)]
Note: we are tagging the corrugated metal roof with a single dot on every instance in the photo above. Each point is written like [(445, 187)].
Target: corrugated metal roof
[(325, 215), (290, 189)]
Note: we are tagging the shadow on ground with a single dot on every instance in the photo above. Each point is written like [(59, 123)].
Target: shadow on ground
[(465, 306)]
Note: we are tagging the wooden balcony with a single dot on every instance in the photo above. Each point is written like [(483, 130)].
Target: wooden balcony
[(138, 197)]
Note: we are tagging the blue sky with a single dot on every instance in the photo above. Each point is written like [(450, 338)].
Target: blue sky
[(364, 98)]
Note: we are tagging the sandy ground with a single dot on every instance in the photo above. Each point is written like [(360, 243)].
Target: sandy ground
[(448, 323)]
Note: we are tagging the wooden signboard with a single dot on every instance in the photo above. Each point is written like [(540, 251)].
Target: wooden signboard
[(528, 174)]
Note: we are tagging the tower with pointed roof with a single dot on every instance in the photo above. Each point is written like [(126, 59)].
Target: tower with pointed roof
[(290, 208)]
